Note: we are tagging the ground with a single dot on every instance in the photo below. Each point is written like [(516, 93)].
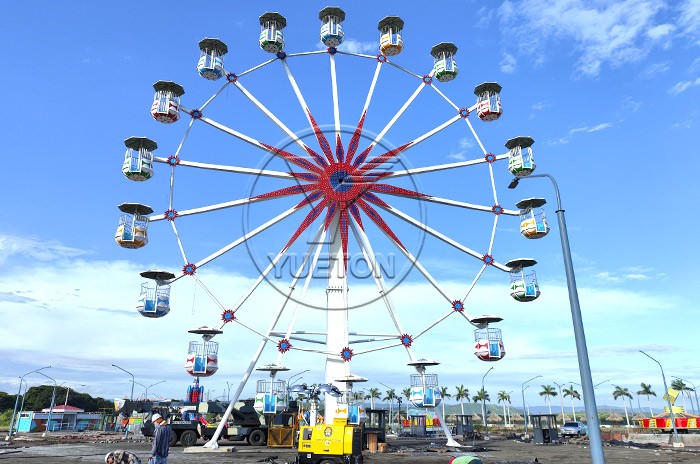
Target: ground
[(91, 448)]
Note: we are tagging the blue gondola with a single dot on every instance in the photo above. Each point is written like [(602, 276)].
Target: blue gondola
[(211, 58), (154, 300), (332, 19)]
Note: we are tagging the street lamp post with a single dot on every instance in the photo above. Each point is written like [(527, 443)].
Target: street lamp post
[(676, 438), (694, 391), (145, 387), (522, 390), (19, 391), (68, 391), (53, 401), (131, 398), (289, 383), (579, 334), (391, 404), (483, 402), (152, 385)]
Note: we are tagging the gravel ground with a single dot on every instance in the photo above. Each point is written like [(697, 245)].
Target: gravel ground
[(498, 450)]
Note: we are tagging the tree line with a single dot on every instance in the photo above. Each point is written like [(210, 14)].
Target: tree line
[(39, 397)]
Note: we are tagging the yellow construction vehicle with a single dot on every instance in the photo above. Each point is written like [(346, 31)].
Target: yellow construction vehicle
[(337, 443)]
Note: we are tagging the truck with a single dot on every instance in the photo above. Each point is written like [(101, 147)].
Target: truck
[(188, 423)]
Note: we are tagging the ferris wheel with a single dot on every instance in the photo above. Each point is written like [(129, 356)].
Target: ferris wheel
[(343, 194)]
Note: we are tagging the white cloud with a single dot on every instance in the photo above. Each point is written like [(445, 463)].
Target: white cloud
[(689, 18), (35, 249), (508, 64), (603, 33), (687, 124), (654, 69), (662, 30), (539, 106), (694, 66), (582, 129), (355, 46), (681, 87)]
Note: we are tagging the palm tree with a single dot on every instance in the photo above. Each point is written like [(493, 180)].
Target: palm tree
[(390, 397), (646, 390), (679, 385), (445, 395), (462, 394), (505, 398), (548, 391), (482, 396), (373, 393), (623, 393), (407, 393), (571, 391)]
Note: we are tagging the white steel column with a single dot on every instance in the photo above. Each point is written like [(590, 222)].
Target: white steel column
[(336, 316)]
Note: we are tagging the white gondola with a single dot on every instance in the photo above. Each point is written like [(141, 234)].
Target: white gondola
[(154, 300), (133, 225), (211, 58), (488, 101), (520, 160), (272, 32), (270, 395), (488, 341), (424, 389), (390, 41), (350, 404), (202, 357), (332, 19), (523, 284), (444, 63), (166, 102), (533, 223), (138, 159)]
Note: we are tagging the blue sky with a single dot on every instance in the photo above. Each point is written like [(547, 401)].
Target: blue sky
[(609, 90)]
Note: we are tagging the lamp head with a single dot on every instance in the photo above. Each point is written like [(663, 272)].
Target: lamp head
[(514, 183)]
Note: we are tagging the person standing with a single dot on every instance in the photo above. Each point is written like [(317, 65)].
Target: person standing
[(161, 440)]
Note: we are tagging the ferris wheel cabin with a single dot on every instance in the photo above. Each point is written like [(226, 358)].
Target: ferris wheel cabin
[(154, 300), (488, 342), (166, 102), (444, 64), (138, 159), (533, 223), (133, 225), (270, 395), (202, 357), (211, 58), (424, 390), (520, 160), (272, 25), (488, 101), (390, 42), (351, 406), (523, 284), (332, 19)]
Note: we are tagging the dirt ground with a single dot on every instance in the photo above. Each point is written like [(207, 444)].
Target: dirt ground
[(497, 450)]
